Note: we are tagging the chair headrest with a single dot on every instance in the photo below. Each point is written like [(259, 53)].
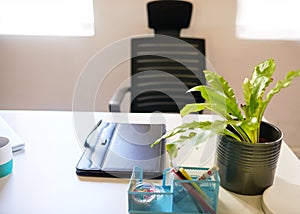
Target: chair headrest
[(169, 16)]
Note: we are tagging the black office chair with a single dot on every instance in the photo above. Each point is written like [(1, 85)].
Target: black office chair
[(165, 66)]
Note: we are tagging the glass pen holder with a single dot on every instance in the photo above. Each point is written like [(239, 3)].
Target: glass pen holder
[(174, 195)]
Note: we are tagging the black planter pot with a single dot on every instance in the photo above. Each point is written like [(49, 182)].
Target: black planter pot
[(247, 168)]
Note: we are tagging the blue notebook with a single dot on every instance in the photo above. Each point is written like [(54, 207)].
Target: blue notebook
[(115, 148)]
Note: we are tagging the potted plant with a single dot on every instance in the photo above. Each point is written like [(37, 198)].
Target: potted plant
[(247, 147)]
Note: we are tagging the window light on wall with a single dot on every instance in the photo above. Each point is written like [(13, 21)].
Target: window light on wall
[(47, 17), (268, 19)]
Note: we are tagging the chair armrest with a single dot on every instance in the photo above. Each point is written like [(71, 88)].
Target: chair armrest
[(117, 98)]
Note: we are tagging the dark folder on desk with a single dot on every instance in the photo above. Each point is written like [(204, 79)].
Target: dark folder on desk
[(115, 148)]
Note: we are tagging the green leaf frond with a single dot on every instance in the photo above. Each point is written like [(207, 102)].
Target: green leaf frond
[(216, 102), (255, 88), (279, 85), (219, 95), (219, 84), (217, 126)]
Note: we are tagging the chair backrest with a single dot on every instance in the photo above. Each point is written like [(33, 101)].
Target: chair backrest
[(165, 66), (163, 69)]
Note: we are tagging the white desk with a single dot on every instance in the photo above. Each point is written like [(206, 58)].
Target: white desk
[(44, 178)]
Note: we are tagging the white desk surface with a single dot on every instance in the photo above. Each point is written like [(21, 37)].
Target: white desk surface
[(44, 178)]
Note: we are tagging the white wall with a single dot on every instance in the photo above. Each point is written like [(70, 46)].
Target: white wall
[(41, 72)]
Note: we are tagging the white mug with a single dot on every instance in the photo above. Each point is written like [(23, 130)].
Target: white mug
[(6, 157)]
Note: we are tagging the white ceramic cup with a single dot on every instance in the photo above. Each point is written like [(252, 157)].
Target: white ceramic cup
[(6, 157)]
